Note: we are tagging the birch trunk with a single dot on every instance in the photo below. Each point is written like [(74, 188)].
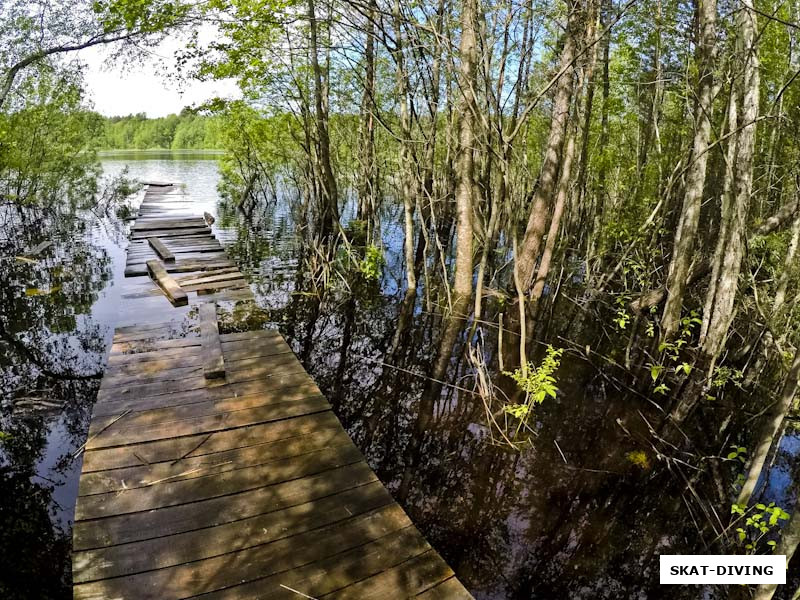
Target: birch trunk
[(730, 247), (686, 233), (544, 194), (465, 165)]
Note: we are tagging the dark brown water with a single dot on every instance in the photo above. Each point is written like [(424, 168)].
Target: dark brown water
[(582, 511)]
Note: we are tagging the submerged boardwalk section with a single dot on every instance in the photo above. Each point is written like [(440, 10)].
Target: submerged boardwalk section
[(214, 465)]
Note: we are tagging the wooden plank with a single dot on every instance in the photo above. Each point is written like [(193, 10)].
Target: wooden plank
[(113, 530), (403, 581), (123, 436), (181, 415), (213, 361), (194, 410), (101, 482), (181, 266), (181, 548), (163, 252), (194, 280), (188, 356), (172, 290), (178, 449), (239, 370), (260, 561), (149, 224), (196, 391), (319, 578), (214, 485), (261, 345), (199, 232), (239, 286)]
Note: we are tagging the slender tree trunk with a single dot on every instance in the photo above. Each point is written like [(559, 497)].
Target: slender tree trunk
[(730, 247), (466, 190), (406, 154), (329, 211), (686, 233), (367, 188), (544, 194), (555, 223)]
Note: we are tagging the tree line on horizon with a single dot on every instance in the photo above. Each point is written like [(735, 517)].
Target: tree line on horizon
[(183, 131)]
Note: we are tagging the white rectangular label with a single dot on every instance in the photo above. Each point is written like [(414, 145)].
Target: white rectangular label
[(722, 568)]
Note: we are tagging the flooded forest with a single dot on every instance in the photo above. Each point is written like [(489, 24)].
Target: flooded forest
[(542, 258)]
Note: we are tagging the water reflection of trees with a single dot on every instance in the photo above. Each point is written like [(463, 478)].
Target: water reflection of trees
[(574, 518), (51, 354)]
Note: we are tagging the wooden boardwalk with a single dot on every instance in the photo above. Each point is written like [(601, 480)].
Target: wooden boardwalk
[(214, 466)]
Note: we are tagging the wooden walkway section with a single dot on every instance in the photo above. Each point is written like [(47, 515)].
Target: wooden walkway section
[(214, 466)]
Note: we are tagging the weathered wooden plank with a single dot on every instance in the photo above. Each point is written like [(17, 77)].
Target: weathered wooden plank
[(163, 252), (172, 290), (252, 563), (320, 578), (402, 581), (186, 223), (196, 410), (123, 436), (178, 449), (213, 361), (195, 280), (150, 362), (152, 343), (101, 482), (214, 485), (167, 521), (205, 289), (181, 266), (247, 368), (181, 548), (196, 391), (263, 343), (187, 231), (229, 295)]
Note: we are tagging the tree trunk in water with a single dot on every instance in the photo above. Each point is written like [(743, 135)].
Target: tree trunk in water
[(555, 223), (367, 191), (329, 211), (772, 425), (406, 154), (787, 545), (686, 233), (730, 247), (543, 196), (465, 165)]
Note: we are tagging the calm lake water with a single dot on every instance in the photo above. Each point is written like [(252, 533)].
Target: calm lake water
[(582, 512)]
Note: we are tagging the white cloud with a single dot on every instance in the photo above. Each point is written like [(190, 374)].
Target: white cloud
[(115, 88)]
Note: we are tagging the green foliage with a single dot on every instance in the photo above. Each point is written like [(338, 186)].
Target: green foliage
[(761, 521), (372, 263), (538, 383), (738, 453), (173, 132), (723, 375), (47, 145)]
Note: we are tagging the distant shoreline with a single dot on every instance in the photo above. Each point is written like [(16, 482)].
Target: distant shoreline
[(117, 151)]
